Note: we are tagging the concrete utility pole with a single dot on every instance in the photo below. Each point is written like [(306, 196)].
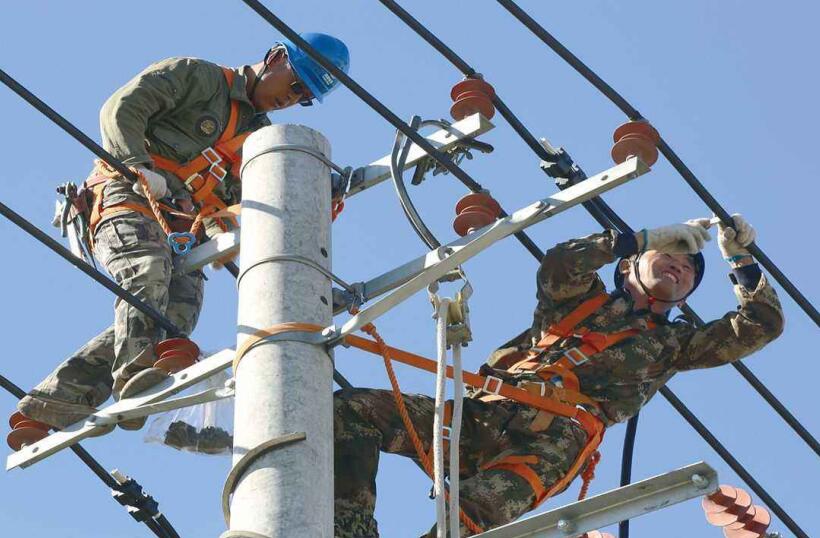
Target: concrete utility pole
[(285, 386)]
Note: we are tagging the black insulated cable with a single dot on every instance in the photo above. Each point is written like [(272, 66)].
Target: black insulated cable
[(761, 388), (732, 461), (687, 174), (162, 529), (98, 277), (383, 111)]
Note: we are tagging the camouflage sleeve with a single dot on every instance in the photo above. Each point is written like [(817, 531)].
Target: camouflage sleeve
[(757, 321), (569, 269), (125, 116)]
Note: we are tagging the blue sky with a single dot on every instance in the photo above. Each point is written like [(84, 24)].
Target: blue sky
[(730, 85)]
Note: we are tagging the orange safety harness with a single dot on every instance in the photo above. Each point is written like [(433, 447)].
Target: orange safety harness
[(201, 176), (564, 400)]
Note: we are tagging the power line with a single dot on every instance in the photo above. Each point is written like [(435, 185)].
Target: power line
[(663, 147), (160, 526)]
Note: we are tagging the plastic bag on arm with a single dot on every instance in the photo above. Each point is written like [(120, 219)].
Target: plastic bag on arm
[(205, 428)]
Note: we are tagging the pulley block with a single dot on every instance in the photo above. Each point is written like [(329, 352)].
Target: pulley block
[(475, 211), (470, 96), (636, 139)]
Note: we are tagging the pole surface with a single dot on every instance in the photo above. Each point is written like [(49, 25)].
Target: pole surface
[(284, 387)]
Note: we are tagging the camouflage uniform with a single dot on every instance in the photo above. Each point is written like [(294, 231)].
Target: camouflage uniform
[(621, 379), (174, 108)]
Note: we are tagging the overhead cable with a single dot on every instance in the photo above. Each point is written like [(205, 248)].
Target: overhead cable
[(732, 461), (160, 526), (663, 147)]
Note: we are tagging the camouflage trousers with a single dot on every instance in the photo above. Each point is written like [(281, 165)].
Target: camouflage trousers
[(367, 422), (135, 252)]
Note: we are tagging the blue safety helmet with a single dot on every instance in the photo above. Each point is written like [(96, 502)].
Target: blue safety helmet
[(318, 80), (697, 260)]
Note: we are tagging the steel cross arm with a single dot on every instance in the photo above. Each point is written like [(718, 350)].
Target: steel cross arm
[(226, 244), (616, 505), (121, 410), (424, 270)]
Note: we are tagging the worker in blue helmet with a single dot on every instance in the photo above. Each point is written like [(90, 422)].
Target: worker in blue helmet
[(287, 75), (180, 124)]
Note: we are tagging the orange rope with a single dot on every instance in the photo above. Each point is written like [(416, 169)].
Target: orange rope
[(588, 474), (408, 423)]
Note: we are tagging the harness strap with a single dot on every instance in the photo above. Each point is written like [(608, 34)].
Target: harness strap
[(563, 329), (204, 173)]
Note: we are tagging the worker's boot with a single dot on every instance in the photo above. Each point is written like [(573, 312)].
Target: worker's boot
[(53, 412), (141, 382)]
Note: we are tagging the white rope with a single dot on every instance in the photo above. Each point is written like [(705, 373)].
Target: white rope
[(455, 434), (438, 419)]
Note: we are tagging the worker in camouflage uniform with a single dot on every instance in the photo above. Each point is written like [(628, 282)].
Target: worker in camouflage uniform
[(508, 450), (174, 111)]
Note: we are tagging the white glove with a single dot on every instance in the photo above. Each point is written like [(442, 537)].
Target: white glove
[(686, 238), (156, 183), (733, 242)]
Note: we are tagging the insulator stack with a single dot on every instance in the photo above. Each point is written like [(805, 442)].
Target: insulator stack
[(636, 139), (732, 509), (470, 96), (175, 354), (596, 534), (475, 211), (25, 431)]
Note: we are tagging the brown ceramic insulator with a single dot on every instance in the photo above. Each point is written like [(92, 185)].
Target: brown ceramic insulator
[(19, 420), (721, 512), (752, 524), (475, 211), (15, 418), (176, 354), (635, 139), (470, 96), (26, 435)]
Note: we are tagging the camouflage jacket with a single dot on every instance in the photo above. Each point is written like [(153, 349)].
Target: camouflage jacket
[(625, 376), (175, 108)]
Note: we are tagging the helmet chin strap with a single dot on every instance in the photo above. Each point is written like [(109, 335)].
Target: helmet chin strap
[(258, 76), (651, 299)]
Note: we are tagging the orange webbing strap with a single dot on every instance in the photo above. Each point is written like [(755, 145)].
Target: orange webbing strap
[(520, 465), (563, 328), (424, 458), (261, 334), (594, 342), (491, 385)]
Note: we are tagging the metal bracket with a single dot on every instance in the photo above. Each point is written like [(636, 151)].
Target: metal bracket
[(413, 276), (87, 427), (613, 506), (443, 140)]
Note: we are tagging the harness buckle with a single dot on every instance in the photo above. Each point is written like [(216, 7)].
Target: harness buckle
[(193, 177), (217, 171), (576, 356), (499, 383), (211, 155), (541, 384)]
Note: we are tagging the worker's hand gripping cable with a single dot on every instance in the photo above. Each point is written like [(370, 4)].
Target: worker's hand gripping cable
[(452, 331)]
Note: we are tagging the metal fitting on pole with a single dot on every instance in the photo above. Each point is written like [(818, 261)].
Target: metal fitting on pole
[(284, 386)]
